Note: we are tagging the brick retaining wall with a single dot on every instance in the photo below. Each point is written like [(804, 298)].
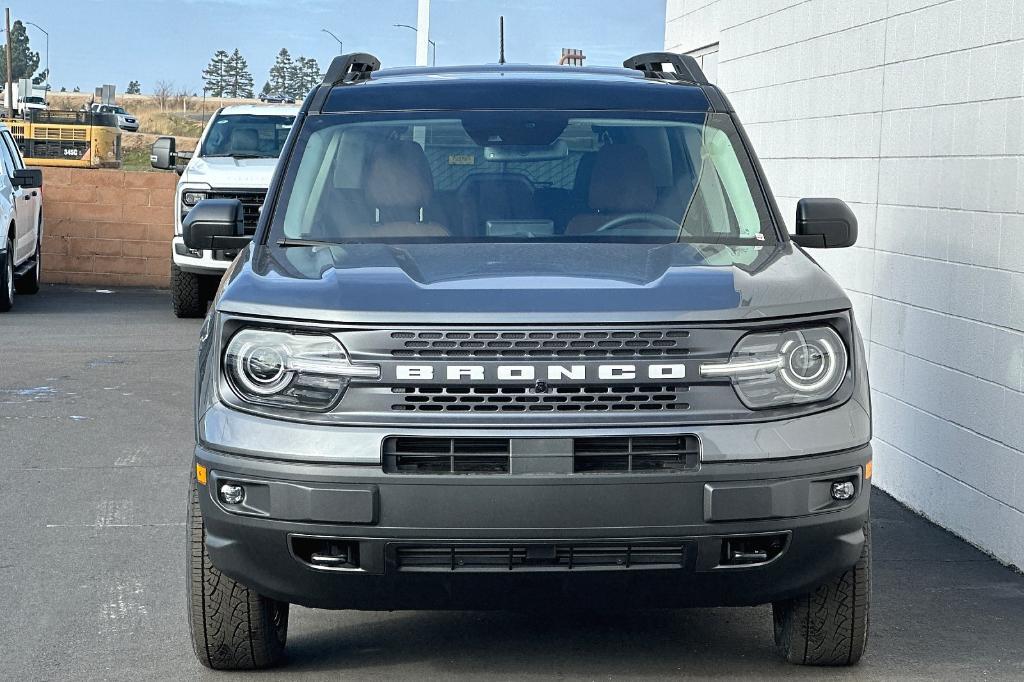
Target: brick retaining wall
[(107, 227)]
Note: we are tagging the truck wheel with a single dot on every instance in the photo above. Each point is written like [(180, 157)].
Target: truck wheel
[(830, 625), (29, 282), (232, 627), (7, 278), (188, 293)]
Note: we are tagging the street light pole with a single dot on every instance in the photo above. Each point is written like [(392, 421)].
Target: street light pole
[(433, 45), (45, 33), (341, 49)]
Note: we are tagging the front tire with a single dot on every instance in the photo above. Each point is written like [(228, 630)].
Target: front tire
[(829, 626), (232, 627), (190, 293)]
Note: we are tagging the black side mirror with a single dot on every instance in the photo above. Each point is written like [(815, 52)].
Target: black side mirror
[(162, 155), (825, 224), (27, 178), (215, 224)]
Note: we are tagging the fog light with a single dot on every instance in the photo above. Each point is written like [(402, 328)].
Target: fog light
[(841, 490), (231, 493)]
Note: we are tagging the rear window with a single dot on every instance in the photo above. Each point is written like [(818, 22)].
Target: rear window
[(481, 176)]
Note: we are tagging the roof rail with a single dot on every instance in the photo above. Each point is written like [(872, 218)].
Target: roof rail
[(351, 68), (685, 68)]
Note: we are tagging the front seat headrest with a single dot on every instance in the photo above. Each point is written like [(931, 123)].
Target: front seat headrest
[(622, 180), (399, 176)]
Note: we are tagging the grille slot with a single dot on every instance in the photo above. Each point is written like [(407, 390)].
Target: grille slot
[(651, 343), (539, 557), (252, 201), (414, 455), (576, 398), (641, 454)]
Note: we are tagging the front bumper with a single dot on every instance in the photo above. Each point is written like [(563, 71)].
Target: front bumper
[(201, 262), (385, 518)]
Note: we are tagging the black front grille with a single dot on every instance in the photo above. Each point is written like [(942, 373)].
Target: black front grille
[(540, 557), (649, 343), (570, 398), (650, 454), (422, 455), (252, 202)]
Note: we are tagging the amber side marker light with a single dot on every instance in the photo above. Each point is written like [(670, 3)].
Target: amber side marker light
[(867, 471), (201, 474)]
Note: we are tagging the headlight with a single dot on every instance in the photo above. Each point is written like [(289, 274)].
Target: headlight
[(283, 369), (785, 368), (191, 198)]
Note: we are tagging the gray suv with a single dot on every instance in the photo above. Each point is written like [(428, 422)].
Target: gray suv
[(509, 335)]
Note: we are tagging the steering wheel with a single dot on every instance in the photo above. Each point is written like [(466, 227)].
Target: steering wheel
[(638, 219)]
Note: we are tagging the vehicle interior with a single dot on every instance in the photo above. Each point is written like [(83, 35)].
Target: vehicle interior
[(487, 176), (243, 135)]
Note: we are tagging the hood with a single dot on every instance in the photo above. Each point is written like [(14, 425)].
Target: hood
[(224, 171), (523, 283)]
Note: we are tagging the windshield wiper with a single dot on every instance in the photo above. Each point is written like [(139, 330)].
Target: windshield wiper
[(285, 243), (240, 156)]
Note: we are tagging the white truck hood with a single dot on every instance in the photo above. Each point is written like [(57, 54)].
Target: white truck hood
[(226, 172)]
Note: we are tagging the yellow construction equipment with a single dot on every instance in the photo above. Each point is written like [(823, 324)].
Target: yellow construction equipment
[(78, 139)]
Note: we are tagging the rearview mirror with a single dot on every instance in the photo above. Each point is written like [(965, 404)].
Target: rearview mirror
[(27, 178), (825, 224), (215, 224), (162, 156)]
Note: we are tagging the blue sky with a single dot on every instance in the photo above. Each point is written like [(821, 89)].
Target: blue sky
[(113, 41)]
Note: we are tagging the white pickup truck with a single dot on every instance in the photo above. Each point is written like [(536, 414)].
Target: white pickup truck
[(21, 223), (235, 159)]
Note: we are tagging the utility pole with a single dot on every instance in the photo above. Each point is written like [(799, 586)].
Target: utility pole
[(341, 46), (423, 33), (10, 66), (47, 34)]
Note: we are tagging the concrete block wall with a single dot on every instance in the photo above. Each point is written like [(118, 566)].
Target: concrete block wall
[(913, 112), (107, 227)]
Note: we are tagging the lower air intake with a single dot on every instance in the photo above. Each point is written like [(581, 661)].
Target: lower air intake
[(539, 557)]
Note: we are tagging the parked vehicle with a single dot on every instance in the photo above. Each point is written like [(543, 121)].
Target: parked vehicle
[(516, 334), (125, 121), (276, 98), (21, 220), (236, 157)]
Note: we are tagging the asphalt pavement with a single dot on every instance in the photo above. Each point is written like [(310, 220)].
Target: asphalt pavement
[(95, 445)]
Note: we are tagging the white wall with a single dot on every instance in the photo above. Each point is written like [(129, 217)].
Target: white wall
[(913, 112)]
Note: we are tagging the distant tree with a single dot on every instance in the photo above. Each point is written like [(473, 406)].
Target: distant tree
[(77, 89), (133, 88), (215, 74), (237, 78), (266, 88), (163, 93), (307, 76), (63, 89), (24, 61), (282, 71)]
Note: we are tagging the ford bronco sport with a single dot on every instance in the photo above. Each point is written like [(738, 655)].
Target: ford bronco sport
[(515, 334)]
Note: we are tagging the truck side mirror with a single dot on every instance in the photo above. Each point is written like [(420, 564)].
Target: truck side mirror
[(215, 224), (162, 155), (825, 224), (27, 178)]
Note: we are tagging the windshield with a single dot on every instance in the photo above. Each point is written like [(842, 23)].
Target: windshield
[(34, 100), (247, 136), (492, 176)]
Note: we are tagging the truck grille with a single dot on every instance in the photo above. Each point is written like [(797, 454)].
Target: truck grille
[(412, 455), (649, 454), (252, 202), (655, 343), (540, 557), (579, 398)]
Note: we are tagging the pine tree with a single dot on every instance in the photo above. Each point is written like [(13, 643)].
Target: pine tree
[(214, 75), (237, 79), (281, 72), (133, 88), (24, 61), (266, 88), (310, 75), (295, 78)]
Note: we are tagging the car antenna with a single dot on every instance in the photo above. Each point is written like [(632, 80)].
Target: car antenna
[(501, 39)]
